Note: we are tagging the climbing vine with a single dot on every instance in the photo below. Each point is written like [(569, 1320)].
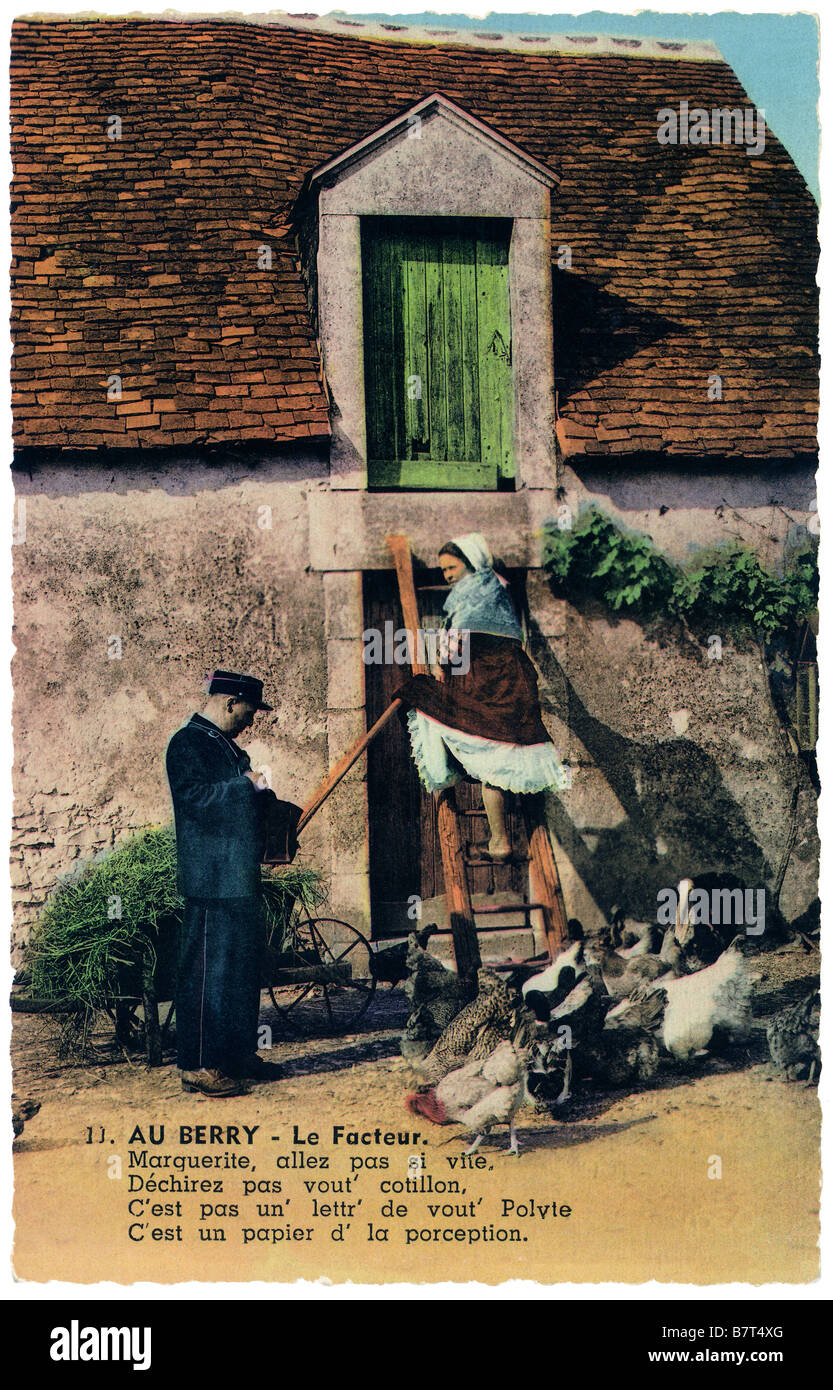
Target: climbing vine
[(727, 586)]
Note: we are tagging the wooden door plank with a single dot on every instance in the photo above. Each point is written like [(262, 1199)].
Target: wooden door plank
[(468, 334), (416, 347), (453, 335), (494, 343), (437, 368), (396, 377), (394, 791)]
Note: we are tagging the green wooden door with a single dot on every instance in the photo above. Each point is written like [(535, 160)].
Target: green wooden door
[(438, 352)]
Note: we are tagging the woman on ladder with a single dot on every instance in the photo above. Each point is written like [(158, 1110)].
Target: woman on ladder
[(481, 717)]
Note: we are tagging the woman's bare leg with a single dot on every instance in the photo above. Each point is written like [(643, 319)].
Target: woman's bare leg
[(495, 807)]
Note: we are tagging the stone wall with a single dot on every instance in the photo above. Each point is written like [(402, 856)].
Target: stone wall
[(185, 571), (681, 765), (132, 583)]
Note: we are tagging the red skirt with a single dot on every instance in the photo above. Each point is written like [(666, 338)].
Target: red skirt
[(497, 698)]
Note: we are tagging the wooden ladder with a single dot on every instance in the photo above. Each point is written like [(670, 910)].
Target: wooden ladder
[(545, 883)]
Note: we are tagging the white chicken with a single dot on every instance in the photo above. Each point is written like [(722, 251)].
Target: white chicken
[(718, 997), (479, 1095)]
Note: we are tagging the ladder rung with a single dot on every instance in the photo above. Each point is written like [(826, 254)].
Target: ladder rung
[(511, 907), (446, 931)]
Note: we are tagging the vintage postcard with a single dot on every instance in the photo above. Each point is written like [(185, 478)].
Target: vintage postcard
[(414, 857)]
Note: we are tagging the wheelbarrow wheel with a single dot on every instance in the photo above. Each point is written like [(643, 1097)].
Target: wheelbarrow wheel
[(345, 1003)]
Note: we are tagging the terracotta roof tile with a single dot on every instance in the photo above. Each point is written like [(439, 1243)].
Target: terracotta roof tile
[(138, 256)]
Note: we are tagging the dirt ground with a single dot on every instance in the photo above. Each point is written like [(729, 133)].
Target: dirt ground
[(637, 1170)]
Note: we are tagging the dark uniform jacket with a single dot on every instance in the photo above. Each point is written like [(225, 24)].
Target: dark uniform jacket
[(221, 819)]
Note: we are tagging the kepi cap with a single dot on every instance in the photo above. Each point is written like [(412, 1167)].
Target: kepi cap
[(247, 688)]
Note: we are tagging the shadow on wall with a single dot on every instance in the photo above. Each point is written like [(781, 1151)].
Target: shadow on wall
[(597, 331), (179, 472), (683, 484), (673, 795)]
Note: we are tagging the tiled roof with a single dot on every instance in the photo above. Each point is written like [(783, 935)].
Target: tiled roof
[(139, 257)]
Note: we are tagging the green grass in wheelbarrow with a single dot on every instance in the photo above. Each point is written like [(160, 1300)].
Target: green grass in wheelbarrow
[(98, 935)]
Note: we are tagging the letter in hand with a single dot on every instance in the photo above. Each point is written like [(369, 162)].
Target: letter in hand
[(261, 785)]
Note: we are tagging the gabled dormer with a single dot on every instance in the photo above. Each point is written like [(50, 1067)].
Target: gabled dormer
[(434, 305)]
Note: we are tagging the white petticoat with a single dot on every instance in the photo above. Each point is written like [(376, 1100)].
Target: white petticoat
[(514, 767)]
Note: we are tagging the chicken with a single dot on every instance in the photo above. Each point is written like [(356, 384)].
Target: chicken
[(475, 1032), (548, 1078), (717, 997), (672, 953), (632, 938), (390, 964), (699, 942), (485, 1092), (793, 1039), (626, 1049), (550, 986), (436, 995), (643, 1009), (574, 1023), (622, 976), (582, 1013), (619, 1056)]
